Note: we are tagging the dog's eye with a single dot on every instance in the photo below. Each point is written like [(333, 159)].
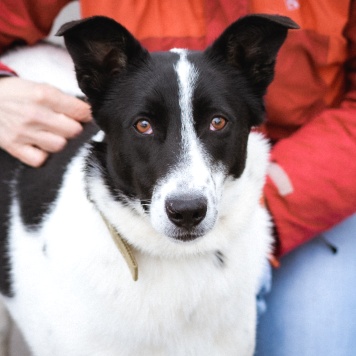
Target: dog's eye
[(217, 123), (144, 127)]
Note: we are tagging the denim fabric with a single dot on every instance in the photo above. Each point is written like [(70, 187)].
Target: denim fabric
[(311, 310), (265, 289)]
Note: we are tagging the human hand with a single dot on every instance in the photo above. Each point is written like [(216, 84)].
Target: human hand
[(37, 119)]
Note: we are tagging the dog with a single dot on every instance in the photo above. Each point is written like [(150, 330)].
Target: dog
[(146, 235)]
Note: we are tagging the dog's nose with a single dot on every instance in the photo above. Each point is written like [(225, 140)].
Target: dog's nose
[(187, 211)]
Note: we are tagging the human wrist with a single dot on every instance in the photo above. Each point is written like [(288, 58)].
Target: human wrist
[(5, 71)]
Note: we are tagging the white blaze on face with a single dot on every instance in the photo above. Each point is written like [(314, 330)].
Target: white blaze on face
[(194, 163), (187, 76), (194, 174)]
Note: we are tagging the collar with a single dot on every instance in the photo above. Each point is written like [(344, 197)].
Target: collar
[(124, 247)]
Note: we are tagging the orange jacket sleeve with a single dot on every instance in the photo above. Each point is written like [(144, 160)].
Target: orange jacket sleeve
[(26, 21), (317, 166), (5, 71)]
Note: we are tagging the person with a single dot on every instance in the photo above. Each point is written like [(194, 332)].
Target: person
[(311, 122)]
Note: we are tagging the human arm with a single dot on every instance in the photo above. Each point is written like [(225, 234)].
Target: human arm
[(318, 163), (26, 21)]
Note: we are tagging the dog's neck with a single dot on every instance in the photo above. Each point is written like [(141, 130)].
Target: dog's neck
[(125, 249), (94, 167)]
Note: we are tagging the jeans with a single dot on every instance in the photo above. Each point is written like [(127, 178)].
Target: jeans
[(311, 310)]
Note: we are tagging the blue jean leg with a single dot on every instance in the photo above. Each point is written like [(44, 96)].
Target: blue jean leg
[(311, 310)]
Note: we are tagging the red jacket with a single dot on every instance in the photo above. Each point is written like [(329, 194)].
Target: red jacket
[(311, 105)]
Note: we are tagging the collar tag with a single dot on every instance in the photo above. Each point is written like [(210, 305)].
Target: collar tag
[(125, 249)]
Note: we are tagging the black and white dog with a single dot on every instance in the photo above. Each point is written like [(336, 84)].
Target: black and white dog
[(148, 239)]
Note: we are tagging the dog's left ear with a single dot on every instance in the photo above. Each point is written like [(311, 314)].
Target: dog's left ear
[(251, 44), (100, 47)]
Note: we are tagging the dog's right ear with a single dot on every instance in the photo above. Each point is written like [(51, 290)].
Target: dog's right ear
[(100, 47)]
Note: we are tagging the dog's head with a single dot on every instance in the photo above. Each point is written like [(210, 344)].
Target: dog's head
[(176, 123)]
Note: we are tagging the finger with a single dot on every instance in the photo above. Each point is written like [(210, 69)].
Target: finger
[(40, 127), (47, 141), (63, 103), (29, 155), (58, 124)]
